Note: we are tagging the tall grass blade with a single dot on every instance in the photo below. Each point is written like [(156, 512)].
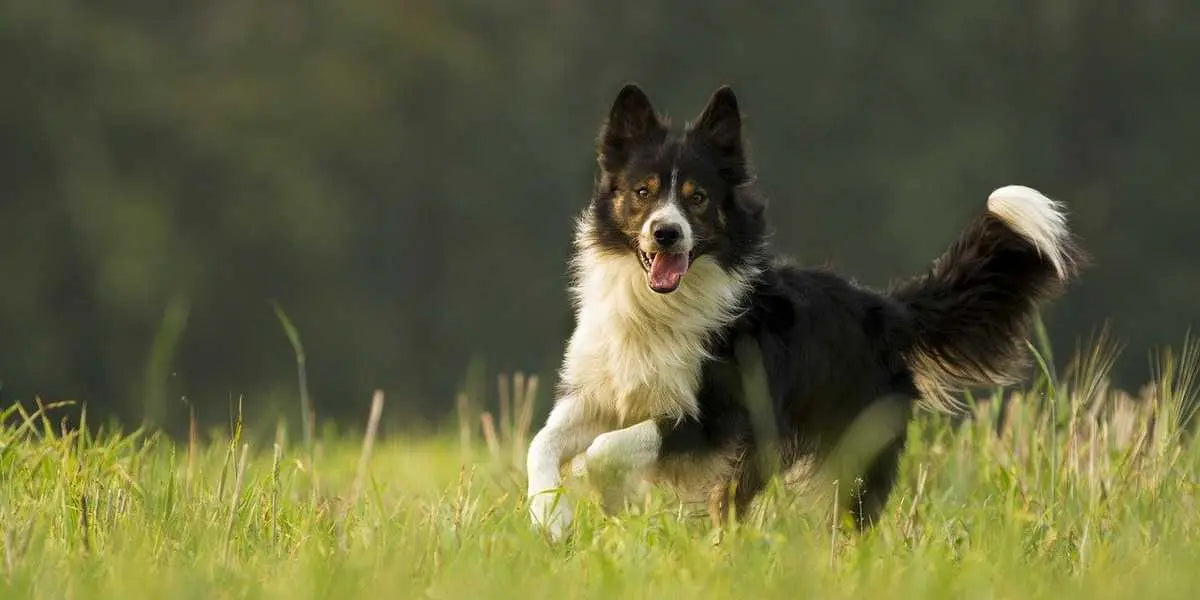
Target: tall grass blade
[(306, 409)]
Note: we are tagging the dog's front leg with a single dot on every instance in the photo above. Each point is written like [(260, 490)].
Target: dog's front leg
[(567, 432), (616, 458)]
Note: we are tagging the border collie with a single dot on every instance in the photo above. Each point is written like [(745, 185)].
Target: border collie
[(680, 309)]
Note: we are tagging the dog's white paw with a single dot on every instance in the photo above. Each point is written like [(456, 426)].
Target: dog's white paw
[(606, 456), (551, 514), (623, 453), (610, 469)]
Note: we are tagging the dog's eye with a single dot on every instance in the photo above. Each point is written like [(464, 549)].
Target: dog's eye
[(698, 198), (642, 192)]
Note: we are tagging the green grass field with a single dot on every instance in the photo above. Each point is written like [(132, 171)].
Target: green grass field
[(1070, 489)]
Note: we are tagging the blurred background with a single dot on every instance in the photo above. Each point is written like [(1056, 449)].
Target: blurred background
[(401, 177)]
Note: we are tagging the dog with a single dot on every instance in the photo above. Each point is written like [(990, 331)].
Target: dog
[(680, 308)]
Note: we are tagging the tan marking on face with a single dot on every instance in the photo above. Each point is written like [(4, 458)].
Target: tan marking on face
[(687, 189), (651, 183), (630, 210), (688, 192)]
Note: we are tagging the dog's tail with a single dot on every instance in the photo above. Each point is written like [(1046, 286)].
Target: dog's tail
[(972, 311)]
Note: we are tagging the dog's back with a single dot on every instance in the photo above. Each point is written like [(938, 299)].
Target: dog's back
[(830, 350)]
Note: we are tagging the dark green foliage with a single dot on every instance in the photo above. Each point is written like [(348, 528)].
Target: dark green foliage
[(402, 176)]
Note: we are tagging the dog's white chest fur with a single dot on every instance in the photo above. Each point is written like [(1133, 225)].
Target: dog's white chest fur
[(636, 354)]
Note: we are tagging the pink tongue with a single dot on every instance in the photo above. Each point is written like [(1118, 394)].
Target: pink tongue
[(666, 270)]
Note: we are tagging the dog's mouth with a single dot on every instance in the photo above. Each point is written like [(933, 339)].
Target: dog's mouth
[(664, 270)]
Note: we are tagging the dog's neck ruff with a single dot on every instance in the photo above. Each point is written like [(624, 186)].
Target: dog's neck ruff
[(636, 354)]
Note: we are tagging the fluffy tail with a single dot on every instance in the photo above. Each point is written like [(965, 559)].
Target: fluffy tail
[(972, 311)]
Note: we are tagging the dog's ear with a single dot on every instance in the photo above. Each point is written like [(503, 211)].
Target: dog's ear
[(721, 125), (631, 120)]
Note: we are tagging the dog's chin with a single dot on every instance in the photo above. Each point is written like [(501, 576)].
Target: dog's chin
[(665, 272)]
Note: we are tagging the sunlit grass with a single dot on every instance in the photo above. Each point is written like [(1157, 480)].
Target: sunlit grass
[(1070, 488)]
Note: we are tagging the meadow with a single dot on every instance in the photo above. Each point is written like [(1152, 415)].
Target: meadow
[(1065, 487)]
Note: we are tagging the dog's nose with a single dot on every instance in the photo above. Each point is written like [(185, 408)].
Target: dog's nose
[(666, 234)]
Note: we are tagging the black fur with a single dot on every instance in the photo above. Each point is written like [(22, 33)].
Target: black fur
[(973, 308), (830, 350)]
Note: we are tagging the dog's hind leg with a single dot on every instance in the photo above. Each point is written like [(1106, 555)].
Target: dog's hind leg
[(860, 468), (732, 498), (867, 456), (871, 496)]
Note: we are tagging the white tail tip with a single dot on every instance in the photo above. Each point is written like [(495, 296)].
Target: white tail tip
[(1038, 219)]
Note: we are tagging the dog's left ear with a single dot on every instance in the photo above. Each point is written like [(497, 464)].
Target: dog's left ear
[(721, 123)]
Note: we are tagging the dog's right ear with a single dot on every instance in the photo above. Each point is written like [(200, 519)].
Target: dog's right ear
[(631, 120)]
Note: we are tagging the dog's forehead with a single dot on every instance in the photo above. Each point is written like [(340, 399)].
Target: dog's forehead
[(696, 162), (682, 158)]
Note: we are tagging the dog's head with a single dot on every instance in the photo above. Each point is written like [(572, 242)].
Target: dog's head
[(667, 199)]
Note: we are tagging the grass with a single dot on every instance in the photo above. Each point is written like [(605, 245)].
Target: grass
[(1067, 489)]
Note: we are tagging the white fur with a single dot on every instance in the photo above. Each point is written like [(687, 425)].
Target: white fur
[(568, 432), (669, 212), (1036, 217), (617, 459), (634, 447), (635, 356)]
